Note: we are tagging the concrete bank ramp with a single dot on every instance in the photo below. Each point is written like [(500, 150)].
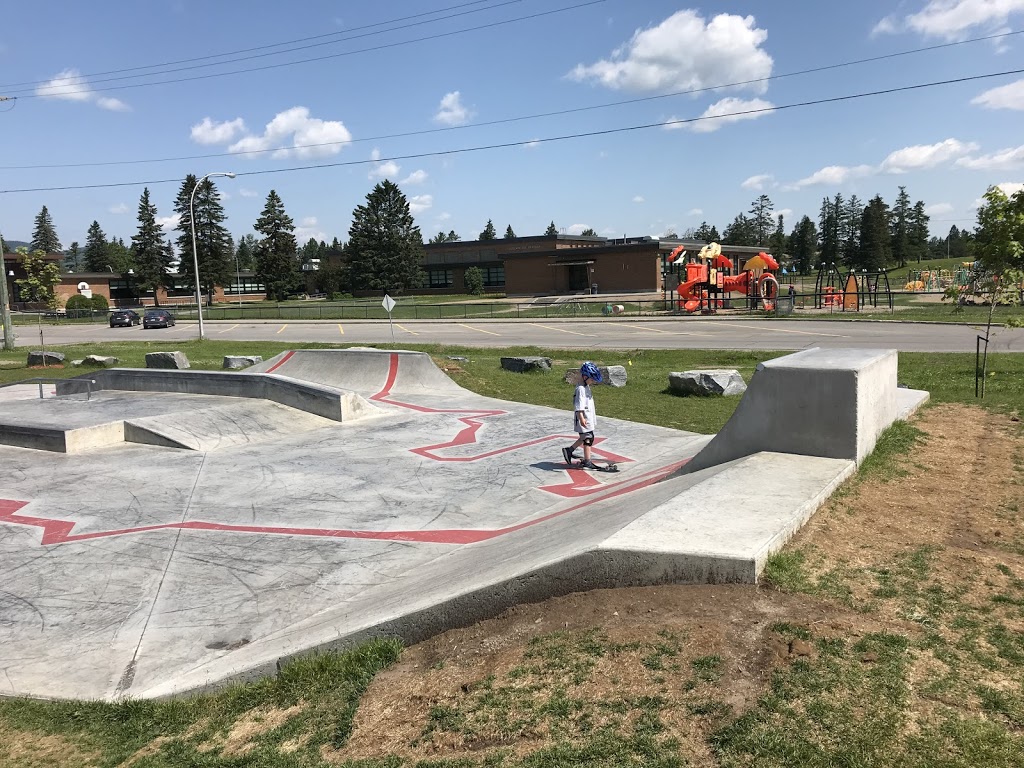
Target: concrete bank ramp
[(832, 403), (369, 372)]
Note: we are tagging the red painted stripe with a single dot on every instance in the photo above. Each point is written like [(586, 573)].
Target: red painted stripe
[(282, 361)]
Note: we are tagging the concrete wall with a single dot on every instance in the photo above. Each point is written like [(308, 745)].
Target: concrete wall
[(819, 402)]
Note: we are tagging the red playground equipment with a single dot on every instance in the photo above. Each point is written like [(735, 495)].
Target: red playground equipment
[(709, 280)]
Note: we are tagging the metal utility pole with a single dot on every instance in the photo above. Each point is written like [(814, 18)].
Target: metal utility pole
[(5, 306)]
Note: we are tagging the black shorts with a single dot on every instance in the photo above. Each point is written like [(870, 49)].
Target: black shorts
[(586, 437)]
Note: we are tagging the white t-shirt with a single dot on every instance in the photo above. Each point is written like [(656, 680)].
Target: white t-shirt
[(584, 401)]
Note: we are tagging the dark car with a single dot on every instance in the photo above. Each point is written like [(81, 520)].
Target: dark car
[(127, 317), (157, 318)]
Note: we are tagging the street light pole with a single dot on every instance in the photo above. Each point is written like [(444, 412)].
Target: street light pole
[(238, 286), (8, 329), (195, 252)]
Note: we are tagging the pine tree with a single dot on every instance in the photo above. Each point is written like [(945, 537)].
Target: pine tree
[(899, 223), (245, 252), (875, 240), (956, 244), (709, 234), (588, 232), (509, 234), (149, 251), (849, 230), (213, 247), (761, 220), (803, 245), (385, 246), (453, 237), (440, 237), (44, 236), (71, 257), (828, 230), (551, 230), (918, 232), (777, 242), (740, 232), (489, 232), (95, 251), (277, 265)]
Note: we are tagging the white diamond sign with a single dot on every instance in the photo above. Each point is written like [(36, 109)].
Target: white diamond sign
[(388, 303)]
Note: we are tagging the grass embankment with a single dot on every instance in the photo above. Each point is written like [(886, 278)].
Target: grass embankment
[(891, 632)]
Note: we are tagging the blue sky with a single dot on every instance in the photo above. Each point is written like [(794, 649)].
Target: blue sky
[(945, 144)]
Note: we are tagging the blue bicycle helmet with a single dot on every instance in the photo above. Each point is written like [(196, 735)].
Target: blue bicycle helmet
[(591, 371)]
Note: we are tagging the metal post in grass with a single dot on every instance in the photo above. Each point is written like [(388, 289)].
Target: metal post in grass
[(6, 307)]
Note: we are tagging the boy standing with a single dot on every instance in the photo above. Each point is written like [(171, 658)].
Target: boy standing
[(585, 417)]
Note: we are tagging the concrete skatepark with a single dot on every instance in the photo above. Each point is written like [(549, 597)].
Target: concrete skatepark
[(176, 530)]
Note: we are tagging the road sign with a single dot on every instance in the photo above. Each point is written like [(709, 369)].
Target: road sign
[(388, 303)]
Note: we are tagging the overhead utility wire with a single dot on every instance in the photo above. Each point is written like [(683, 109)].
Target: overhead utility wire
[(550, 139), (263, 47), (29, 94), (45, 88), (514, 119)]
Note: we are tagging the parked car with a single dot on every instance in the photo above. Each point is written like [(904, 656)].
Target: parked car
[(128, 317), (157, 318)]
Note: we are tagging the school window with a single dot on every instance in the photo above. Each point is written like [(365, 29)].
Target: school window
[(122, 289), (178, 286), (440, 278), (247, 285), (494, 277)]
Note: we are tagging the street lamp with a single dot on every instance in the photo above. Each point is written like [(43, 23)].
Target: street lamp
[(195, 253), (238, 286)]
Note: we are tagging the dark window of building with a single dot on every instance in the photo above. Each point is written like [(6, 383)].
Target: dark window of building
[(440, 278), (177, 286), (248, 285), (494, 277)]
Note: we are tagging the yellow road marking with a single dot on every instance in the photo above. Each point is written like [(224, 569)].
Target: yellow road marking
[(560, 330), (341, 330), (282, 328), (481, 330), (229, 329), (400, 327)]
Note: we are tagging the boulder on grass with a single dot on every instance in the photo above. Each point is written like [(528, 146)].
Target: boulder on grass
[(235, 362), (524, 364), (100, 361), (721, 381), (41, 357), (612, 375), (167, 360)]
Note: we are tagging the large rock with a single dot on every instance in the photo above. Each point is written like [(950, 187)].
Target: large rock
[(235, 362), (41, 357), (721, 381), (167, 360), (100, 361), (613, 375), (524, 364)]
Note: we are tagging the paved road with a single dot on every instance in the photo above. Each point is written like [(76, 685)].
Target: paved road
[(647, 333)]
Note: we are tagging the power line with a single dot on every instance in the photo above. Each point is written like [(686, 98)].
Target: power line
[(551, 139), (384, 46), (45, 88), (521, 118), (264, 47)]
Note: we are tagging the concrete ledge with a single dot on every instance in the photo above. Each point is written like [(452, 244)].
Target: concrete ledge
[(60, 440), (320, 400)]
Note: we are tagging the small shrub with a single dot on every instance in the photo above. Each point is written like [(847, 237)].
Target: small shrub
[(99, 303), (474, 281), (78, 302)]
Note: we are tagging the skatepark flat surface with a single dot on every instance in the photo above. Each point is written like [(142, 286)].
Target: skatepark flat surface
[(140, 570)]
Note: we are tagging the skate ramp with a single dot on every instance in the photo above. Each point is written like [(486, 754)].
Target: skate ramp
[(832, 403)]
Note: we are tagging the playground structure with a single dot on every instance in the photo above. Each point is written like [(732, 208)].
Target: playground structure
[(940, 279), (706, 280), (850, 291)]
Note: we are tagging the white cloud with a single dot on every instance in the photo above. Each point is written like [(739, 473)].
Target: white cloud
[(69, 85), (757, 183), (1002, 160), (784, 212), (416, 177), (1004, 97), (168, 223), (248, 192), (695, 212), (922, 156), (387, 169), (938, 209), (443, 216), (953, 19), (209, 132), (420, 203), (119, 208), (638, 199), (311, 136), (308, 221), (834, 174), (577, 229), (728, 110), (308, 230), (684, 52), (451, 110)]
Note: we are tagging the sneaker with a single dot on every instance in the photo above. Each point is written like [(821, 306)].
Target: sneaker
[(567, 454), (588, 464)]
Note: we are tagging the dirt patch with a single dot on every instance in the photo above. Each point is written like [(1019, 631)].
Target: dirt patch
[(242, 737), (43, 750)]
